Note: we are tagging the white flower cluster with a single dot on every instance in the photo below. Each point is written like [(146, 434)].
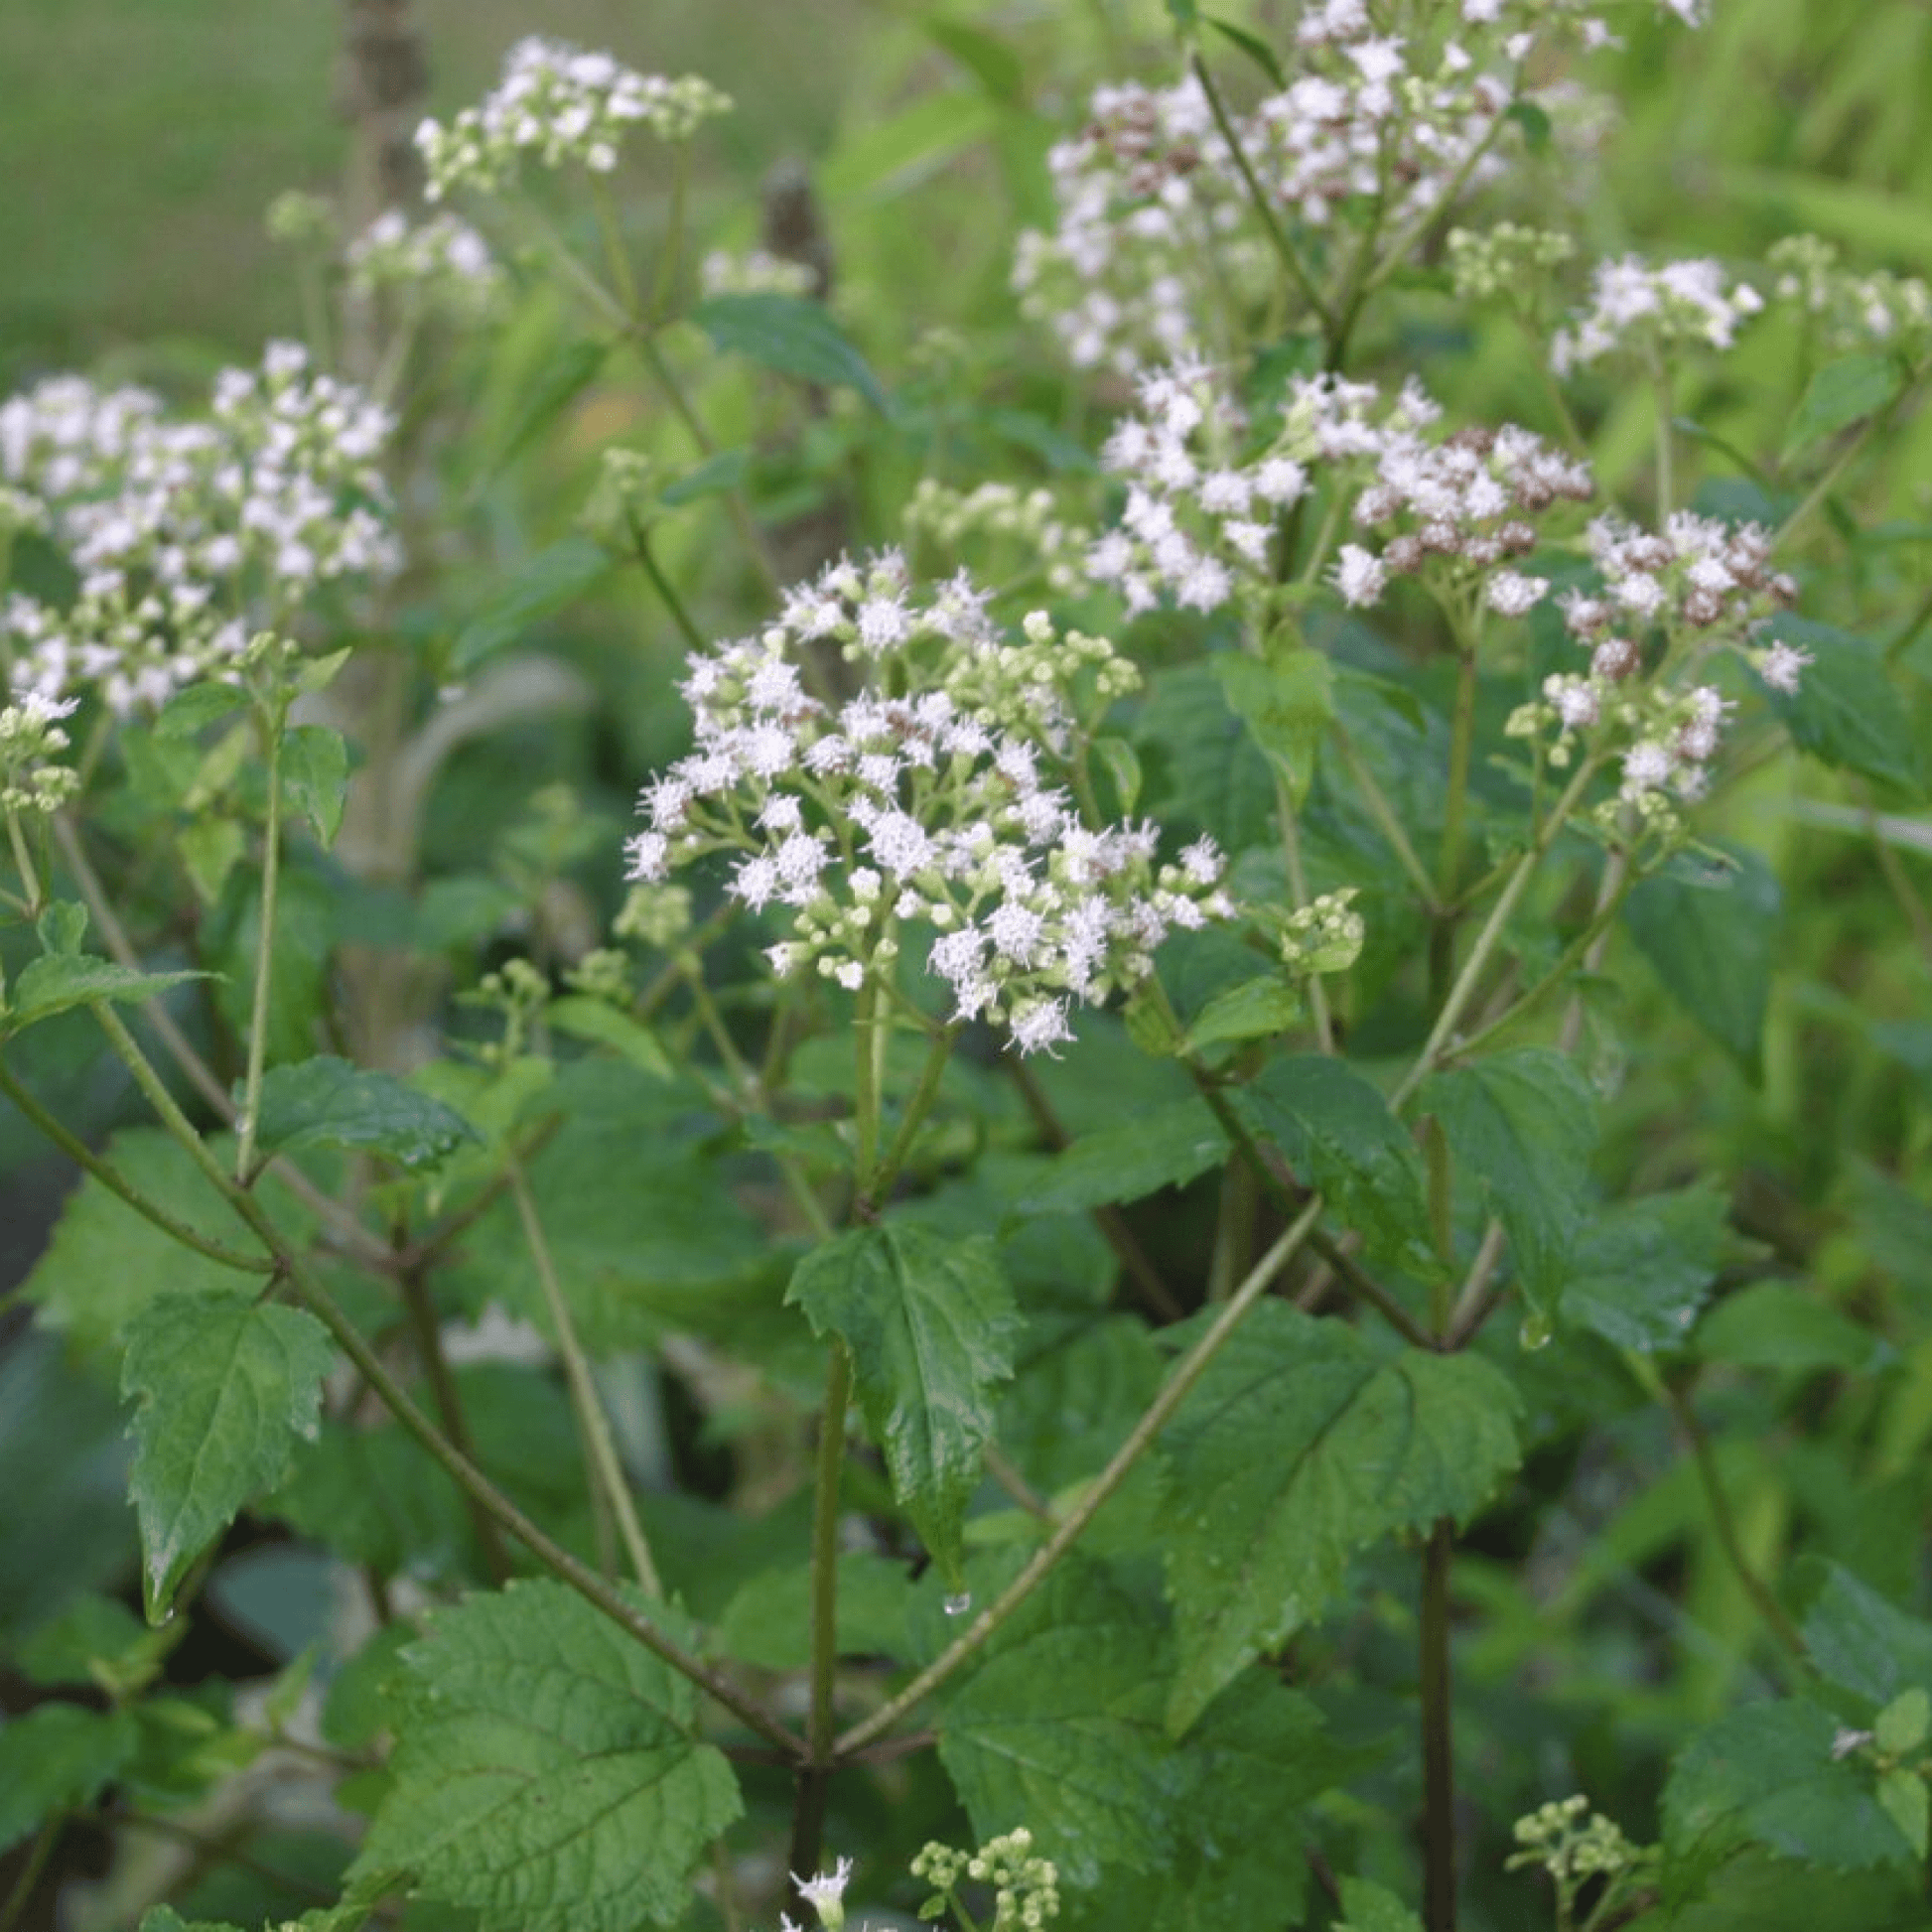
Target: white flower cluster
[(1700, 585), (754, 271), (33, 775), (183, 530), (952, 519), (444, 260), (931, 798), (555, 104), (1851, 311), (1633, 306)]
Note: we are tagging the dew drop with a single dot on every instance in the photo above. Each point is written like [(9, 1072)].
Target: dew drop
[(1537, 1332), (959, 1603)]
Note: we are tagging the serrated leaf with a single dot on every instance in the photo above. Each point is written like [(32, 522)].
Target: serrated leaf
[(1839, 395), (1846, 711), (224, 1388), (1256, 1009), (788, 335), (546, 1774), (550, 581), (1777, 1324), (1336, 1132), (599, 1022), (164, 1918), (198, 706), (58, 1756), (326, 1102), (930, 1322), (1523, 1125), (1534, 122), (92, 1631), (315, 776), (1374, 1908), (1641, 1270), (1766, 1775), (1902, 1794), (1862, 1642), (1287, 703), (1297, 1447), (58, 983), (1165, 1146), (1216, 774), (1059, 1728), (1711, 936), (1903, 1724)]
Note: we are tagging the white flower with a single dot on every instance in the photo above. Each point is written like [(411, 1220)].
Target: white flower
[(1359, 576), (1782, 666)]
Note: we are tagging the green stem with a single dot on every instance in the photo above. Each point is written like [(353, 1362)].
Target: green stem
[(1377, 804), (867, 1078), (1666, 413), (938, 1055), (615, 255), (592, 1421), (1405, 238), (672, 254), (468, 1478), (30, 1873), (1189, 1371), (1278, 236), (1463, 727), (24, 862), (249, 1121), (118, 1185), (640, 544), (1298, 884)]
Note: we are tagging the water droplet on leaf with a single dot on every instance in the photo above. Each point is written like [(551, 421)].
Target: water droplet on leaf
[(958, 1603), (1537, 1331)]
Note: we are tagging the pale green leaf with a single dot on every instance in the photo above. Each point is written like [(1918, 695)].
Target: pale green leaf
[(599, 1022), (224, 1385), (546, 1774), (1903, 1724), (1287, 701), (930, 1324), (1846, 711), (1839, 395), (315, 776), (1297, 1446), (62, 980), (550, 582), (1374, 1908), (1778, 1324)]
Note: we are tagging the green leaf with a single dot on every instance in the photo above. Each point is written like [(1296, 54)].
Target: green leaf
[(1166, 1145), (546, 1778), (1904, 1796), (93, 1632), (768, 1623), (1059, 1728), (896, 153), (790, 335), (60, 982), (315, 776), (1766, 1775), (1534, 122), (542, 397), (1846, 711), (548, 583), (1777, 1324), (1256, 48), (1903, 1724), (58, 1756), (931, 1325), (1862, 1642), (1202, 758), (164, 1918), (1839, 395), (224, 1386), (1297, 1447), (211, 849), (198, 705), (607, 1026), (326, 1102), (992, 61), (716, 476), (1523, 1124), (61, 928), (1641, 1270), (1712, 934), (1374, 1908), (1336, 1132), (1256, 1009), (1288, 703)]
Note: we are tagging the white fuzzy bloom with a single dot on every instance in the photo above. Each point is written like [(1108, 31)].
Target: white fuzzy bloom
[(1359, 576)]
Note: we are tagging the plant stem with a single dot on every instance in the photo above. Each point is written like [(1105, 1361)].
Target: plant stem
[(118, 1185), (248, 1123), (880, 1188), (468, 1478), (1438, 1738), (1188, 1371), (23, 863), (592, 1421), (648, 562), (1660, 380), (30, 1873), (1298, 884), (1386, 822), (1278, 236), (1463, 727), (815, 1776)]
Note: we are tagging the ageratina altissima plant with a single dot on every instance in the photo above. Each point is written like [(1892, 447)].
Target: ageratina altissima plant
[(945, 804)]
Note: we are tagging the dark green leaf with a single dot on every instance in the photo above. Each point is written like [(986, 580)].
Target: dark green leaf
[(1336, 1132), (315, 776), (326, 1102), (199, 705), (1846, 712), (1035, 435), (548, 583), (1287, 702), (1167, 1145), (1256, 1009), (60, 982), (546, 1774), (1641, 1270), (1862, 1642), (768, 1624), (1766, 1775), (789, 335), (1777, 1324), (1839, 395), (1297, 1447), (224, 1387), (1059, 1728), (92, 1630), (1523, 1125), (1534, 122), (1374, 1908), (1213, 771), (931, 1325), (55, 1758), (1712, 934), (61, 928)]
